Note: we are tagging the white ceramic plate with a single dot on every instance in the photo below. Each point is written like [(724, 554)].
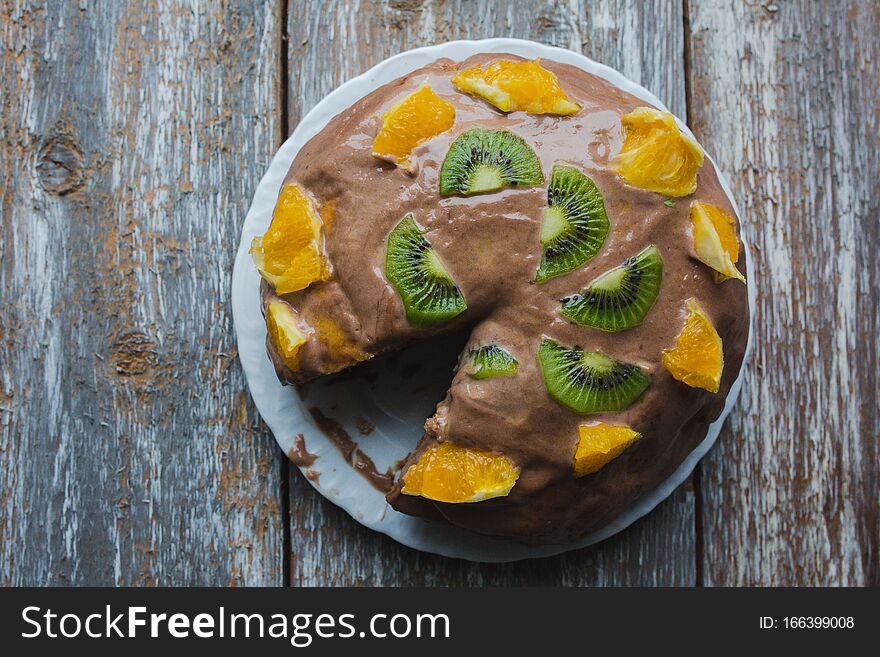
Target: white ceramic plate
[(386, 397)]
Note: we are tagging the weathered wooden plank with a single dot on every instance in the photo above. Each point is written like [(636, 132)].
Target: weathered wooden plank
[(132, 138), (785, 95), (332, 42)]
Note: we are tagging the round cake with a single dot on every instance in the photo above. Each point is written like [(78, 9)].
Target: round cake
[(579, 235)]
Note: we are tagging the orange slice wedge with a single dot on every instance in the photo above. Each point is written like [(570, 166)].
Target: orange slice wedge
[(416, 118), (289, 255), (715, 240), (698, 357), (512, 86), (656, 155), (449, 473), (600, 444), (281, 321)]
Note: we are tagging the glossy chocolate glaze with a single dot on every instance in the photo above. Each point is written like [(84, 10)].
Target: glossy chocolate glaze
[(299, 455), (490, 245), (353, 455)]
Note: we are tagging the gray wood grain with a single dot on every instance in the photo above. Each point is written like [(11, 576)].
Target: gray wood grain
[(330, 42), (785, 97), (131, 140)]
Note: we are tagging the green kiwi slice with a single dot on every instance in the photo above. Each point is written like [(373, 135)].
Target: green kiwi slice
[(620, 298), (429, 293), (575, 223), (492, 360), (589, 381), (482, 160)]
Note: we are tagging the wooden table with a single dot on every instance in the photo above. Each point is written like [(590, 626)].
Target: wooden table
[(131, 140)]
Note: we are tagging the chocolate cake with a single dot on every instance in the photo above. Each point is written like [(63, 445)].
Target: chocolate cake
[(577, 278)]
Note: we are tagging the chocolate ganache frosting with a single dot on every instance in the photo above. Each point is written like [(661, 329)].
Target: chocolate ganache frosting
[(490, 244)]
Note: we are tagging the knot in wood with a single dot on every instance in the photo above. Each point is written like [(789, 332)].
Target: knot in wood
[(60, 166), (407, 5), (134, 354)]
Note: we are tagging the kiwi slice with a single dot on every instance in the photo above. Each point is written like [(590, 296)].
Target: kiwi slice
[(492, 360), (589, 381), (482, 160), (575, 223), (620, 298), (413, 267)]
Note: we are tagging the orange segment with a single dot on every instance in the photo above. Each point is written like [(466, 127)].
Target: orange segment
[(600, 444), (449, 473), (281, 321), (512, 86), (698, 357), (289, 254), (305, 268), (715, 240), (411, 121), (656, 155)]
